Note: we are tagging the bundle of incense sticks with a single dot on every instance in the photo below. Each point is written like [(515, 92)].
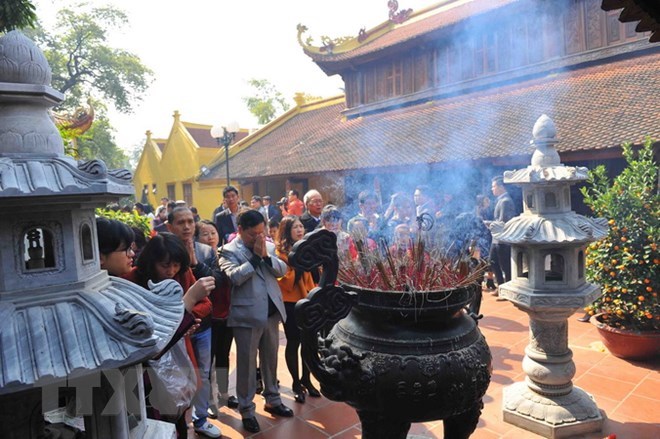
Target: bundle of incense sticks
[(414, 269)]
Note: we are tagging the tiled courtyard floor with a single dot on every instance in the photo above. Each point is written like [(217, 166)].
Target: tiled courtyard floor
[(627, 393)]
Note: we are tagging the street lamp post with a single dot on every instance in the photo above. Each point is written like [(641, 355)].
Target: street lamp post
[(224, 135)]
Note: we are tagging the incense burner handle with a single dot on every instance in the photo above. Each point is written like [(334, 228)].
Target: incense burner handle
[(320, 311)]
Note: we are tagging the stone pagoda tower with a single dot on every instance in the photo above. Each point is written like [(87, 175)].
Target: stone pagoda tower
[(69, 331), (548, 282)]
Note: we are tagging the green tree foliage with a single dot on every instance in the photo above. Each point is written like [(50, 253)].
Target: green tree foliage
[(267, 102), (16, 14), (625, 263), (98, 142), (84, 64), (132, 219)]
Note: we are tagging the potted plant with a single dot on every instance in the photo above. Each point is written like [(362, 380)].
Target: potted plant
[(626, 262)]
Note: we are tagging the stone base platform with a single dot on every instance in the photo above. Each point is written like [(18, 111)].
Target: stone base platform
[(551, 417)]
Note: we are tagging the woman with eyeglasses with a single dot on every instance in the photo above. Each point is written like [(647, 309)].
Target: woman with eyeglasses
[(295, 285), (116, 246)]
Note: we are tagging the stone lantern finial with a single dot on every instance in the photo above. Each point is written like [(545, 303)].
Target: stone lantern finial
[(544, 141), (22, 62), (25, 98)]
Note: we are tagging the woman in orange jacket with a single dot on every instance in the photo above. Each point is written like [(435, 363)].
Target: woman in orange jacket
[(295, 285)]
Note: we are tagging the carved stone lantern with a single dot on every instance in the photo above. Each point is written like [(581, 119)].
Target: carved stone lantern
[(548, 242), (69, 331)]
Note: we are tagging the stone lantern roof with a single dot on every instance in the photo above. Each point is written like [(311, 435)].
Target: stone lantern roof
[(571, 228), (547, 179)]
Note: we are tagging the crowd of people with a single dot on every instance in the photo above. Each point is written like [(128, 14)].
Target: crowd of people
[(238, 286)]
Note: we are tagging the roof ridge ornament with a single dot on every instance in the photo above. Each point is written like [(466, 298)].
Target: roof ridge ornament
[(328, 44), (400, 16)]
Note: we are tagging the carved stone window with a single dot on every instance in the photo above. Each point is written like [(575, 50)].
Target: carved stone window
[(554, 267), (550, 200), (581, 265), (530, 201), (522, 265), (39, 249), (86, 242)]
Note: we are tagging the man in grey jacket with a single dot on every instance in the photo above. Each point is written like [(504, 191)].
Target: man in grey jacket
[(254, 314)]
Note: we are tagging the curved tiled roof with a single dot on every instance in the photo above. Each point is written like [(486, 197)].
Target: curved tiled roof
[(594, 108), (432, 19)]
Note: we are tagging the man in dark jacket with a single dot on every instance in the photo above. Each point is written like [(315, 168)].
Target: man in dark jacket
[(225, 220), (313, 205), (500, 253), (271, 210)]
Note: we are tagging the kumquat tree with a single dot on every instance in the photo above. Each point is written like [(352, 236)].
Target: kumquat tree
[(626, 263)]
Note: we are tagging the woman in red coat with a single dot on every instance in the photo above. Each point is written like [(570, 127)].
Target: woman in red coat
[(166, 257)]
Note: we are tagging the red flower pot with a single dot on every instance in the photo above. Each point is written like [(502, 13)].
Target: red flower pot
[(626, 343)]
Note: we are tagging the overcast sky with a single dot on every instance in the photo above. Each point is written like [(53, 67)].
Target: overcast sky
[(203, 52)]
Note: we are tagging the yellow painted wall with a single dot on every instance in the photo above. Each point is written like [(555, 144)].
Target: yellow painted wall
[(147, 171), (179, 163)]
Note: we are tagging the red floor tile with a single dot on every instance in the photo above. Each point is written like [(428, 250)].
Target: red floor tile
[(604, 386), (639, 408), (333, 418), (606, 405), (625, 428), (649, 388), (620, 369), (292, 428), (351, 433), (483, 433)]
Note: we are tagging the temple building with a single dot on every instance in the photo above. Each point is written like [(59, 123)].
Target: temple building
[(170, 167), (445, 96)]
